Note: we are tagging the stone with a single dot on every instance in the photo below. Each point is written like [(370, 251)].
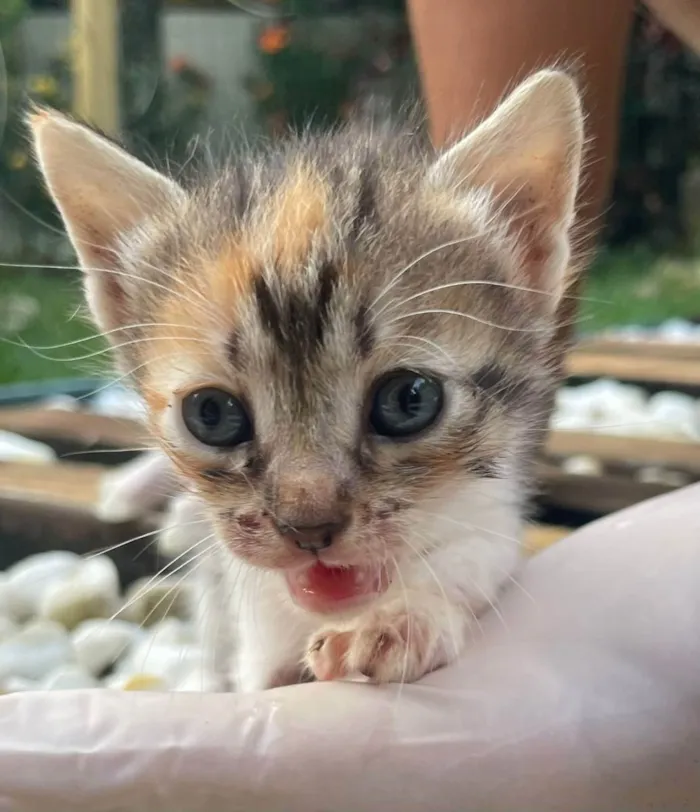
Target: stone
[(28, 581), (149, 601), (90, 592), (582, 465), (166, 660), (99, 644), (71, 602), (35, 651), (15, 448), (657, 475), (137, 682), (8, 627), (13, 685), (674, 415), (68, 678), (8, 602)]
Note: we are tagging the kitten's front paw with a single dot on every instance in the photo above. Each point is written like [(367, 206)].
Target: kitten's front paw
[(386, 645)]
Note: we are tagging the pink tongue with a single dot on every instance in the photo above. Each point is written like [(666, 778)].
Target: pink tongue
[(325, 589)]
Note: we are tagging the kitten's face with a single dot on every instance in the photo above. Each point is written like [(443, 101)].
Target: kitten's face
[(336, 340), (317, 378)]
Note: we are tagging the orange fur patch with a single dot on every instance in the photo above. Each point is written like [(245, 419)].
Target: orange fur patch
[(155, 401), (296, 213)]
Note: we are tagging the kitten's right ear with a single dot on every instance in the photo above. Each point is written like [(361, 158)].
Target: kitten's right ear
[(528, 154), (102, 193)]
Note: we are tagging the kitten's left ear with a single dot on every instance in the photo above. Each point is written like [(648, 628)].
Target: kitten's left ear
[(528, 154), (102, 194)]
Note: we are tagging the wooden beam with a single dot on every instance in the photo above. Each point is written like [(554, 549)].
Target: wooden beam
[(96, 62), (610, 448), (683, 372), (597, 495)]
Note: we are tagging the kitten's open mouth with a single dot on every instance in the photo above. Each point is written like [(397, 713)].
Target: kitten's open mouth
[(333, 589)]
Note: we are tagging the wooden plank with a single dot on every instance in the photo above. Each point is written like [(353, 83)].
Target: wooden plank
[(61, 484), (657, 349), (70, 432), (598, 495), (684, 372), (96, 62), (51, 507), (678, 454)]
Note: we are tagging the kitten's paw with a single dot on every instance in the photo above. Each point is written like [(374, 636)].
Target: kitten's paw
[(386, 645)]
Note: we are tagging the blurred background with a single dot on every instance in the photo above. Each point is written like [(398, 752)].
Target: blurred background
[(169, 77), (167, 74)]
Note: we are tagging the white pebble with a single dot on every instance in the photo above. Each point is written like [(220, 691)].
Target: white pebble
[(674, 415), (8, 602), (170, 662), (102, 573), (29, 579), (676, 330), (14, 685), (61, 403), (34, 651), (99, 643), (117, 401), (68, 678), (656, 475), (15, 448), (136, 681), (149, 601), (91, 592), (71, 602), (582, 465), (7, 627)]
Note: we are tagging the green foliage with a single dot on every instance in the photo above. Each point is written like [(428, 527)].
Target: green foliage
[(24, 203), (314, 67)]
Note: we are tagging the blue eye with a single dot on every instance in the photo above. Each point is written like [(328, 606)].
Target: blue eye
[(405, 403), (216, 418)]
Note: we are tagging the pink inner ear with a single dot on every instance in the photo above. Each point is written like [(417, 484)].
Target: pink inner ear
[(533, 227), (105, 287)]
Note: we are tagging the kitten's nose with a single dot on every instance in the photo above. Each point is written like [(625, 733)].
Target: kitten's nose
[(313, 539)]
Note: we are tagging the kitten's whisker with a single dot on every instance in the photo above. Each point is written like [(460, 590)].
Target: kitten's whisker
[(122, 329), (395, 279), (448, 603), (390, 306), (470, 526), (409, 625), (144, 589), (204, 307), (422, 340), (486, 322), (105, 550), (120, 450), (106, 350), (179, 581)]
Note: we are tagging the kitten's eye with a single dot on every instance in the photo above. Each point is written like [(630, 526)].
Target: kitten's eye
[(405, 403), (216, 418)]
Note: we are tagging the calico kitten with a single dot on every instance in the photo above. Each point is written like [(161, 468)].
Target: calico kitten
[(342, 344)]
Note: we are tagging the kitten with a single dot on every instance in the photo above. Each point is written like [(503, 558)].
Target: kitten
[(342, 344)]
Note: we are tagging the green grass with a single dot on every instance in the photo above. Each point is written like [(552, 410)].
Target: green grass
[(635, 287), (58, 295), (621, 288)]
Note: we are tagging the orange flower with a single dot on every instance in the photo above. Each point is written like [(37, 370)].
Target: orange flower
[(273, 39), (178, 64)]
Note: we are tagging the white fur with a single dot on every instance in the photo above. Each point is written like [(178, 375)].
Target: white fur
[(258, 637)]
